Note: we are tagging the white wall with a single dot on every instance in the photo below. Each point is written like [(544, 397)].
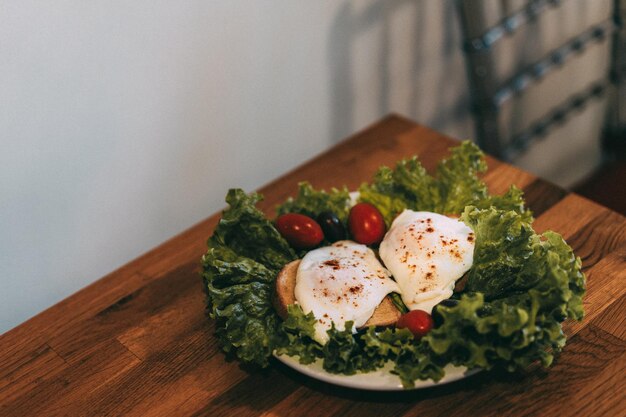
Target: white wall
[(124, 122)]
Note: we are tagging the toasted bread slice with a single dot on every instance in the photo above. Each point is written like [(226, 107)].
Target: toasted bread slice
[(386, 314)]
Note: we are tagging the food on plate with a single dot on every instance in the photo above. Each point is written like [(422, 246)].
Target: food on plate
[(419, 322), (302, 232), (338, 283), (366, 224), (426, 253), (331, 226), (518, 286)]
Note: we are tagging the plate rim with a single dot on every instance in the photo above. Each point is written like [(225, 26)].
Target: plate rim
[(452, 373)]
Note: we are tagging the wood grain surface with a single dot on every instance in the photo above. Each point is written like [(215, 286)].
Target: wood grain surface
[(137, 342)]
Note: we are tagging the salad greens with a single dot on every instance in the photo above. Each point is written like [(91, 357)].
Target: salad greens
[(312, 202), (455, 187), (519, 290), (239, 269)]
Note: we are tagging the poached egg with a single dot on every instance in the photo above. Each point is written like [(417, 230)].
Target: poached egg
[(426, 253), (339, 283)]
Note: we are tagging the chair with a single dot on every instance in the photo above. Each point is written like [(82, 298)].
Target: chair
[(534, 66)]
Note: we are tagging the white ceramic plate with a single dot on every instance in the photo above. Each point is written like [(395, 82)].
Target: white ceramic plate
[(380, 380)]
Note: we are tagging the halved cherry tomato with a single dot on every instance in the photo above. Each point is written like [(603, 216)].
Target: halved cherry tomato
[(366, 224), (418, 322), (302, 232)]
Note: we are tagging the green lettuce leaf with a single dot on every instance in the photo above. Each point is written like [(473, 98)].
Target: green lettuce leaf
[(296, 336), (348, 353), (455, 186), (513, 200), (457, 178), (413, 359), (312, 202), (408, 186), (503, 245), (519, 290), (243, 258), (557, 275), (247, 231), (344, 353), (239, 299)]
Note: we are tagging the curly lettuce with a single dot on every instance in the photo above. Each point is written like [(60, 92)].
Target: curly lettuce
[(520, 289), (455, 186), (297, 336), (247, 231), (521, 286), (312, 202), (243, 258), (348, 353)]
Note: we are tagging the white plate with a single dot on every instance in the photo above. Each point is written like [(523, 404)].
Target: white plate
[(379, 380)]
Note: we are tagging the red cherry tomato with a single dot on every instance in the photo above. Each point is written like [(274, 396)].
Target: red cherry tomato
[(366, 224), (302, 232), (418, 322)]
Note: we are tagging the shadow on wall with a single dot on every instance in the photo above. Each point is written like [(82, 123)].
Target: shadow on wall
[(437, 107), (417, 68)]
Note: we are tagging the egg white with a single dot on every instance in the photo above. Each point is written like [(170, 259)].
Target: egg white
[(339, 283), (426, 253)]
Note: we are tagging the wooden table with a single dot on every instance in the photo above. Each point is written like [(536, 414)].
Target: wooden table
[(137, 342)]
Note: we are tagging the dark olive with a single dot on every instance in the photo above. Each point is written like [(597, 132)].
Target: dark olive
[(437, 318), (332, 226)]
